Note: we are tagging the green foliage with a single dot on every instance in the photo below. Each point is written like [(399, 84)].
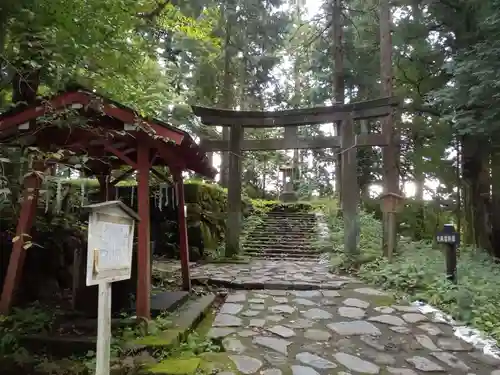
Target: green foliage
[(264, 206), (210, 210), (370, 240), (417, 220), (116, 55), (33, 319), (418, 272)]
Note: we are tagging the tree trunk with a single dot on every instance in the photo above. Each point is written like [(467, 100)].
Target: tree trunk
[(338, 80), (227, 89), (476, 181), (389, 152), (458, 174), (495, 195)]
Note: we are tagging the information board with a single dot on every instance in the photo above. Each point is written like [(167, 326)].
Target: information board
[(113, 250), (109, 255), (109, 259)]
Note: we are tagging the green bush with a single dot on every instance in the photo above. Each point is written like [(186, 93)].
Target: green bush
[(278, 206), (418, 272), (370, 238), (418, 220)]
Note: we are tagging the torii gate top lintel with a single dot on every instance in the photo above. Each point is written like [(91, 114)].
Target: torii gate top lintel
[(292, 117)]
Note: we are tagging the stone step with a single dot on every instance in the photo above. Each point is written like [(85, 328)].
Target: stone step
[(286, 229), (310, 251), (277, 236), (61, 343), (282, 236), (288, 224), (278, 240), (280, 246), (278, 250), (286, 242), (299, 237), (291, 214), (184, 319), (281, 231), (293, 218), (285, 238), (287, 220), (293, 257)]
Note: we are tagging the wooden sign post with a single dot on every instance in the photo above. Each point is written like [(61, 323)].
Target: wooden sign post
[(451, 239), (391, 203), (109, 259)]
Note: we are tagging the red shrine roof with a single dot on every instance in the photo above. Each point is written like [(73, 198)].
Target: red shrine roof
[(84, 122)]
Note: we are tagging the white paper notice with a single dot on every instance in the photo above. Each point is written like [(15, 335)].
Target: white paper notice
[(113, 246)]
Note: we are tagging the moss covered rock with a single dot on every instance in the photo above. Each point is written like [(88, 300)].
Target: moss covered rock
[(175, 366)]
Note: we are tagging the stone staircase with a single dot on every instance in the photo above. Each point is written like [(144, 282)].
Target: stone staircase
[(284, 236)]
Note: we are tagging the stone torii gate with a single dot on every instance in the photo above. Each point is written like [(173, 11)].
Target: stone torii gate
[(347, 142)]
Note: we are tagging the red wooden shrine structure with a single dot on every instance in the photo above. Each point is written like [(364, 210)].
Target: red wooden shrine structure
[(110, 135)]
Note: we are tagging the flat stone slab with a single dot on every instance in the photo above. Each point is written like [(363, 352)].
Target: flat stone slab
[(283, 309), (233, 345), (357, 364), (354, 329), (371, 292), (426, 342), (414, 317), (357, 327), (316, 313), (277, 344), (166, 301), (226, 320), (317, 335), (246, 364), (392, 320), (218, 332), (425, 364), (303, 370), (304, 302), (282, 331), (351, 312), (231, 308), (355, 302), (236, 297), (314, 360)]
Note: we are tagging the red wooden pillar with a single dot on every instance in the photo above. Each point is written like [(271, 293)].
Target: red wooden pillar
[(143, 234), (183, 237), (18, 255)]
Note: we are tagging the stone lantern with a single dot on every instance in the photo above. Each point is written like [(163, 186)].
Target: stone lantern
[(288, 194)]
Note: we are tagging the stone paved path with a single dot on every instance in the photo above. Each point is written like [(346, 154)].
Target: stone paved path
[(354, 329), (271, 274)]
